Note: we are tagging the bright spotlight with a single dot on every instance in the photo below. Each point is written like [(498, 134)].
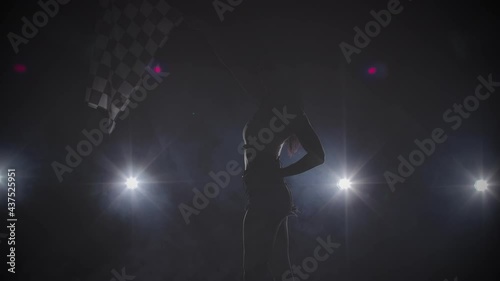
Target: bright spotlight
[(132, 183), (344, 184), (481, 185)]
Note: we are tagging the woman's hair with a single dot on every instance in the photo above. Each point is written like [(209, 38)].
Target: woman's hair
[(280, 89), (279, 99)]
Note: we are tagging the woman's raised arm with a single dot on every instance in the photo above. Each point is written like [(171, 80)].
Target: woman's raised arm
[(310, 142)]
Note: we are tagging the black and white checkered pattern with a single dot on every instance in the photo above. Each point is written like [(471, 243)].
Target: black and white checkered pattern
[(128, 37)]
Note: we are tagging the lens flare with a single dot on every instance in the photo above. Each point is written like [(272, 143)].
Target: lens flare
[(132, 183), (344, 184), (481, 185)]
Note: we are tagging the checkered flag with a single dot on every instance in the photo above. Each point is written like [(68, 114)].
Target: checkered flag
[(128, 37)]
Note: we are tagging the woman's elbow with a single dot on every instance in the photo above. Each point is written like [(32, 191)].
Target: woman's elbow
[(319, 158)]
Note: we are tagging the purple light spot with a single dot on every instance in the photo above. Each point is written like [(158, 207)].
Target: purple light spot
[(19, 68), (157, 69), (372, 70)]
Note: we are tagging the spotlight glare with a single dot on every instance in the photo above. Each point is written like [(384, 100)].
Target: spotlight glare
[(481, 185), (132, 183), (344, 184), (20, 68)]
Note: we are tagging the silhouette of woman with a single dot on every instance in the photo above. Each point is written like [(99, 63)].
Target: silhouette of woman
[(279, 120)]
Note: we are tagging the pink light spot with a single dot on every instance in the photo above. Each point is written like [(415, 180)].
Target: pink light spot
[(372, 70), (157, 69), (19, 68)]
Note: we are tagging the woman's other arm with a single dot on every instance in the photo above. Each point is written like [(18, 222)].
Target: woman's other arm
[(309, 140)]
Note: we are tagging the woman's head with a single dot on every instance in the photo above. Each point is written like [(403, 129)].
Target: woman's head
[(280, 85), (280, 88)]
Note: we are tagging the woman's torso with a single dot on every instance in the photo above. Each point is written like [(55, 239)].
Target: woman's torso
[(264, 136)]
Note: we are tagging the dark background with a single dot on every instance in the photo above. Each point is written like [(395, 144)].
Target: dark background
[(434, 226)]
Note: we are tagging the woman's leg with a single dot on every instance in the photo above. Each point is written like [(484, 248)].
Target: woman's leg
[(280, 263), (259, 229)]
